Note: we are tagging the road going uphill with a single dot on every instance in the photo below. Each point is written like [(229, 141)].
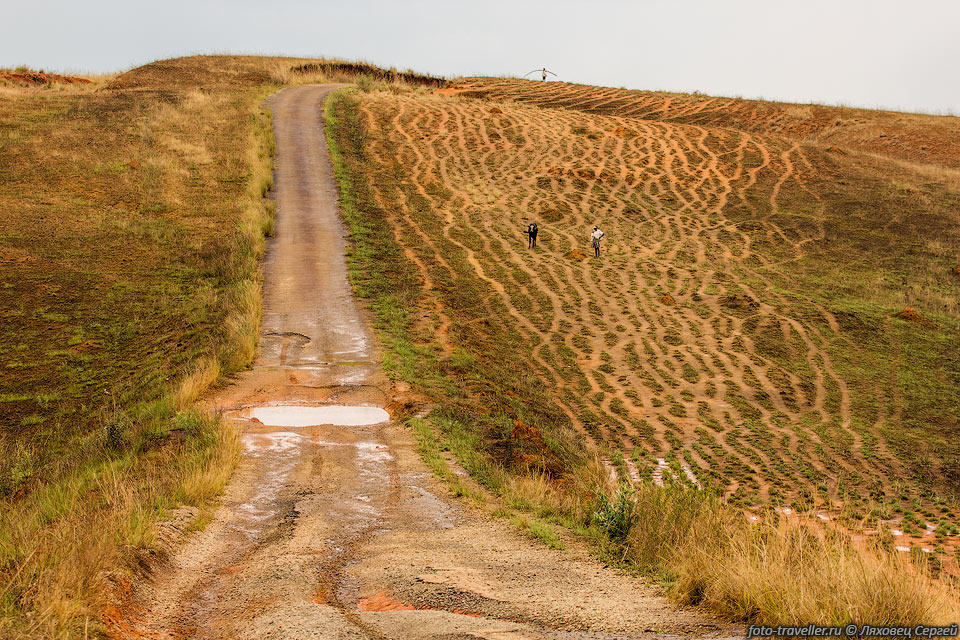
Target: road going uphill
[(333, 531)]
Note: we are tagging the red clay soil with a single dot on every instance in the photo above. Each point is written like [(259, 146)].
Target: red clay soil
[(529, 448), (39, 78), (526, 432), (450, 91), (909, 314), (384, 602)]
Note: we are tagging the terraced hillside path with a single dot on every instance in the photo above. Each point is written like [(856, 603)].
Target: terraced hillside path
[(341, 531)]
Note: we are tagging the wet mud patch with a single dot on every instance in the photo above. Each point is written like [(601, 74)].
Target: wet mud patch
[(448, 600), (383, 601), (278, 455)]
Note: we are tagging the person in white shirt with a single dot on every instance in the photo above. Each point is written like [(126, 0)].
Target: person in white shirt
[(595, 238)]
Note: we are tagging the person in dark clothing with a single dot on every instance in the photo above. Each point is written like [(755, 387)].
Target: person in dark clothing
[(532, 232)]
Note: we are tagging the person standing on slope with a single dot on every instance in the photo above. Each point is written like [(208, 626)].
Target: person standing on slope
[(532, 232), (595, 239)]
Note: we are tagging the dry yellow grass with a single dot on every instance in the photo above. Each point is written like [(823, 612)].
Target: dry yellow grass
[(206, 371), (65, 544), (779, 570)]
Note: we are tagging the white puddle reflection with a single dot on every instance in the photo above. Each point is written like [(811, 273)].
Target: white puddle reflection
[(308, 416)]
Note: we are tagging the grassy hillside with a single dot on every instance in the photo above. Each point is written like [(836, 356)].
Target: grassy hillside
[(774, 316), (129, 282), (772, 319), (129, 266)]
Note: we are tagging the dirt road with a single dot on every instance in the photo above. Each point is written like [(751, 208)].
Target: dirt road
[(340, 531)]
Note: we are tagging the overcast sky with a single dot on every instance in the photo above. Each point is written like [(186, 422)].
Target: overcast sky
[(888, 53)]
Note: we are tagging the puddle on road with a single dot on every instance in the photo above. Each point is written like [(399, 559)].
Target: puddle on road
[(308, 416)]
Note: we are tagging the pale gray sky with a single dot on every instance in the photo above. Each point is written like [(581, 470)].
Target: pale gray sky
[(887, 53)]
